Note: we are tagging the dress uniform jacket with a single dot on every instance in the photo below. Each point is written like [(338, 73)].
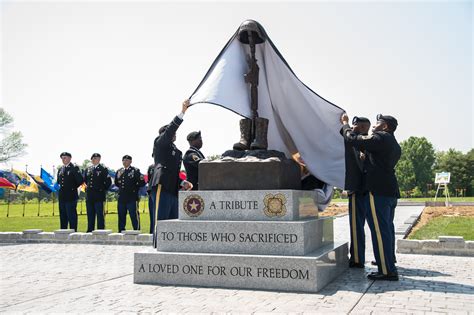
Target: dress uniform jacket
[(191, 160), (129, 182), (354, 180), (69, 179), (167, 160), (382, 154), (98, 181)]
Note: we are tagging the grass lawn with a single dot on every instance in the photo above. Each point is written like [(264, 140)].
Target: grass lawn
[(446, 225), (16, 222)]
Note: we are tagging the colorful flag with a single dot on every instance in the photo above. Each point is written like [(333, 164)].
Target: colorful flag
[(12, 178), (39, 181), (48, 180), (26, 182), (5, 183)]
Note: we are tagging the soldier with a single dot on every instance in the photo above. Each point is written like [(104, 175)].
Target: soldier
[(129, 180), (354, 184), (382, 155), (165, 182), (192, 157), (97, 180), (69, 179)]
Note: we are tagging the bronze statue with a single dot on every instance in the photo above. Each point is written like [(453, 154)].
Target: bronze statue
[(253, 132)]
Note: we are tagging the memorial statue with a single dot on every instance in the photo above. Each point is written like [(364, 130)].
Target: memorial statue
[(253, 132)]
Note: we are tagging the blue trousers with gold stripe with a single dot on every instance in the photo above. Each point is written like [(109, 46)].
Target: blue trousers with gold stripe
[(380, 220), (122, 208), (357, 215)]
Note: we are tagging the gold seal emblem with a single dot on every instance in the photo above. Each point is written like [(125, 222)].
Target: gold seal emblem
[(274, 205), (193, 205)]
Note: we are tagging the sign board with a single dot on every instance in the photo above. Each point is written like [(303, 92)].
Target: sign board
[(442, 178)]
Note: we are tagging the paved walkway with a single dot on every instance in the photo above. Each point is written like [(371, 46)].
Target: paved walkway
[(59, 278)]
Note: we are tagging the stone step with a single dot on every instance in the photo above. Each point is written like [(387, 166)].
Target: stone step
[(245, 237), (280, 273), (247, 205)]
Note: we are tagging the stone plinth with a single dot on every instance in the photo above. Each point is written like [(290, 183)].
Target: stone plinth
[(249, 175), (281, 273), (247, 205), (245, 237)]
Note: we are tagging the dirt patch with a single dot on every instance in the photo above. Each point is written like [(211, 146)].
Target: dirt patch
[(334, 209), (452, 211)]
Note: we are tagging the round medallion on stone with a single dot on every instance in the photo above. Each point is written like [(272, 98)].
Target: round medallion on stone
[(274, 205), (193, 205)]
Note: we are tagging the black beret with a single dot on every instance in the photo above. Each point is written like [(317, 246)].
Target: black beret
[(390, 120), (95, 155), (65, 154), (194, 135), (356, 120), (126, 157)]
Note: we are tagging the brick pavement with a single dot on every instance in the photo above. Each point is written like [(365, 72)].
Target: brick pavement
[(79, 278)]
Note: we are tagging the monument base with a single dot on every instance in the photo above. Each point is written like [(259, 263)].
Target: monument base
[(251, 174), (308, 273)]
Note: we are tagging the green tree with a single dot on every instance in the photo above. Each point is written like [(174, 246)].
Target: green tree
[(405, 175), (461, 167), (11, 143), (415, 168)]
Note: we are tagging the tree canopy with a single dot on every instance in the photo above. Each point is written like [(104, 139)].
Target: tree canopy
[(11, 143)]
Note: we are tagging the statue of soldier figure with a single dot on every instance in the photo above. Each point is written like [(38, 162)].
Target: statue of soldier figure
[(253, 132)]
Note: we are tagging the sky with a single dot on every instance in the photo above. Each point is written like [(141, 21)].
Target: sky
[(87, 76)]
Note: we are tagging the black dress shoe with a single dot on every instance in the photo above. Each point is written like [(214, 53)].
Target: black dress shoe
[(393, 276), (355, 265)]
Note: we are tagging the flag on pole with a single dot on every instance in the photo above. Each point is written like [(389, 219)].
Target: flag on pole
[(5, 183), (12, 178), (26, 182), (39, 181), (48, 180)]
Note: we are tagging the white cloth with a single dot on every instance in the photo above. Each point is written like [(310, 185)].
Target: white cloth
[(322, 197), (299, 119)]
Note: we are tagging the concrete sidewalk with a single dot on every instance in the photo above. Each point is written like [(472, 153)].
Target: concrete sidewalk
[(60, 278)]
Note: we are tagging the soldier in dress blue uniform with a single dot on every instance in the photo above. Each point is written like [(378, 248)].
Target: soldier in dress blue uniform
[(165, 182), (382, 154), (69, 179), (129, 180), (97, 181), (357, 192), (192, 157)]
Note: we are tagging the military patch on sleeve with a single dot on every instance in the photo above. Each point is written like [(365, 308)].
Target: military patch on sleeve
[(195, 157)]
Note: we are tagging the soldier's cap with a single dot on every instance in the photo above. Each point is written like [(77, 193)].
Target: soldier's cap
[(162, 129), (193, 135), (357, 120), (65, 154), (95, 155), (390, 120), (126, 157)]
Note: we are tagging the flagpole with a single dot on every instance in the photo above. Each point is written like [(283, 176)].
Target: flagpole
[(8, 203), (24, 203), (39, 200), (54, 174)]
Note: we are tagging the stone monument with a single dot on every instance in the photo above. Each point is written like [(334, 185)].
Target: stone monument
[(250, 226)]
